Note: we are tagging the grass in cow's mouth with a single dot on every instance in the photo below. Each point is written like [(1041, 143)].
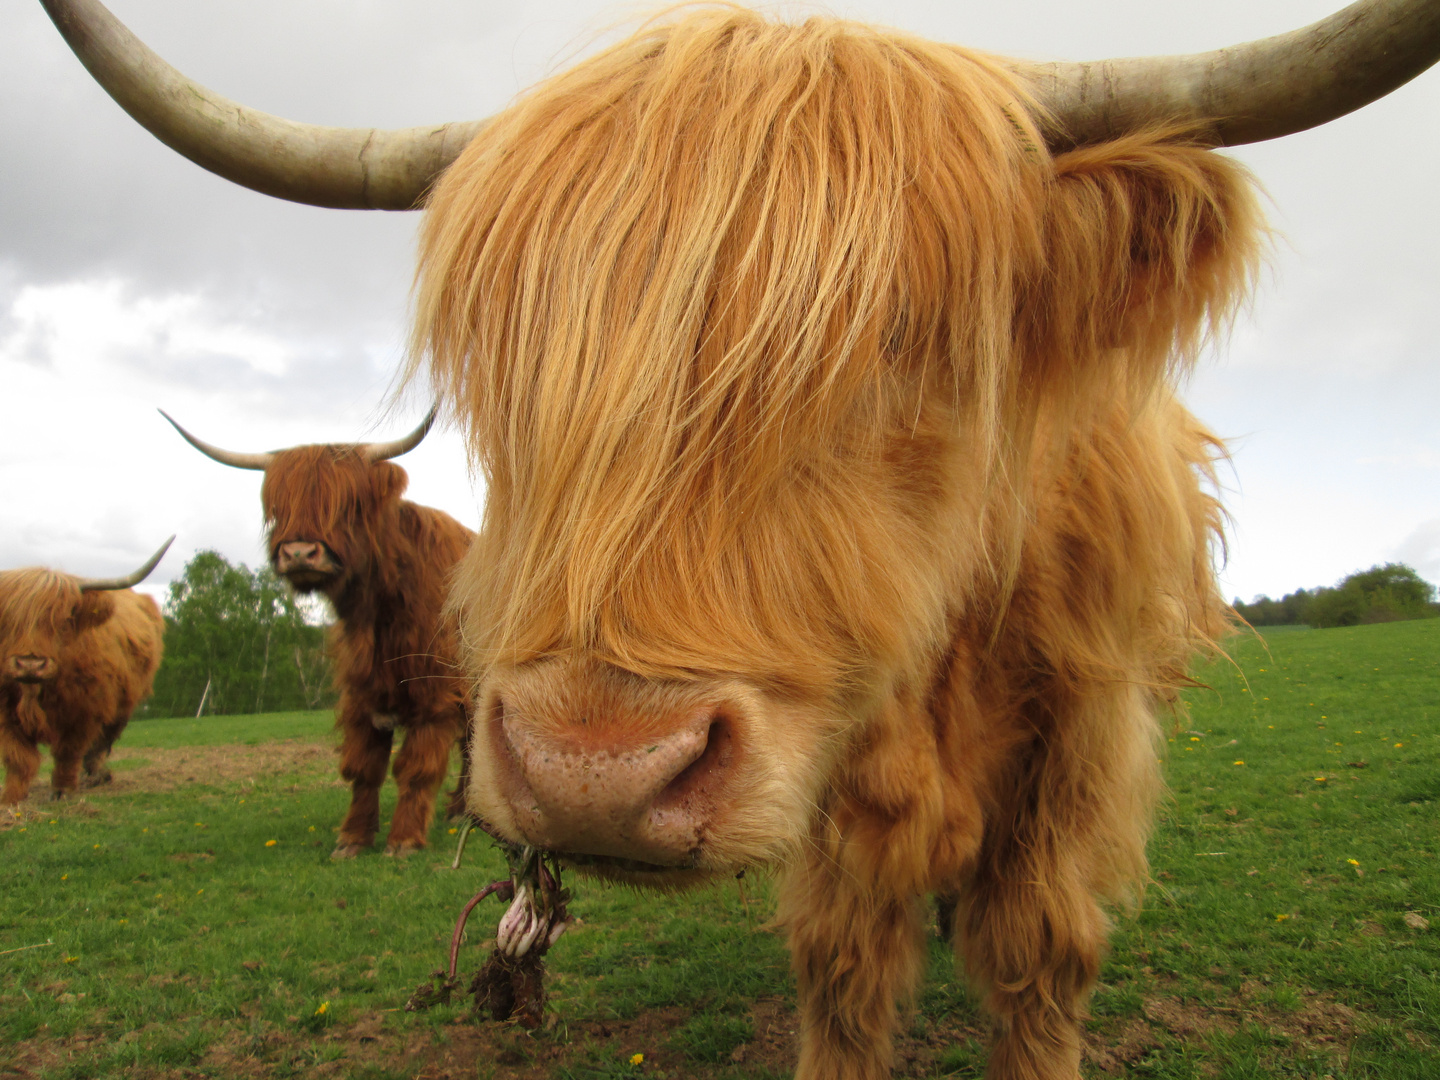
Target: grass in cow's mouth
[(1286, 934)]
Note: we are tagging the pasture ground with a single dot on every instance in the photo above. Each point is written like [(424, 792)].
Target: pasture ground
[(186, 921)]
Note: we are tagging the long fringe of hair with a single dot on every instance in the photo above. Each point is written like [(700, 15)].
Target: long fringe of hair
[(669, 281)]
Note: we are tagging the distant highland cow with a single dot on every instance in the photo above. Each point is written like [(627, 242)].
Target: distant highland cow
[(336, 525), (77, 656)]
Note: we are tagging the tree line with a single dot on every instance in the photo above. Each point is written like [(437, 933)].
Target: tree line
[(237, 641), (1388, 593)]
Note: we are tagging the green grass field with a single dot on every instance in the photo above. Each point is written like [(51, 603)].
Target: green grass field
[(187, 920)]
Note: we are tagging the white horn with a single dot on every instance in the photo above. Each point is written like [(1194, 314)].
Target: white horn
[(105, 584), (383, 451), (225, 457)]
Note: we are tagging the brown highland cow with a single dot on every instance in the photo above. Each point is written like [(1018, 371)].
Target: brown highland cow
[(842, 514), (335, 524), (77, 656)]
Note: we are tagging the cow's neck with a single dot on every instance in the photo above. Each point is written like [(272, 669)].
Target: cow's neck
[(366, 602)]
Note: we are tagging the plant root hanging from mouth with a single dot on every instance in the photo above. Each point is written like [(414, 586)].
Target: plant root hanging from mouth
[(510, 986)]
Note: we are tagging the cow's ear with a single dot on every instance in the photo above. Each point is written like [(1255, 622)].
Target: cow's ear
[(93, 609), (1149, 243), (390, 481)]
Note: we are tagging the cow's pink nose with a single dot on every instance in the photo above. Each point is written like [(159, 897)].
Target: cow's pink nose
[(30, 667), (649, 801), (299, 554)]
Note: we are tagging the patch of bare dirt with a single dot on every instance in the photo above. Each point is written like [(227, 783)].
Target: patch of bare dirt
[(166, 770), (1319, 1025), (385, 1041)]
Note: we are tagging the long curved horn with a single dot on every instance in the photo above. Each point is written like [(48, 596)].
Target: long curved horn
[(383, 451), (1246, 93), (225, 457), (348, 168), (103, 584)]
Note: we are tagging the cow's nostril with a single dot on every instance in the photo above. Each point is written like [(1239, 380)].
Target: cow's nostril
[(700, 780)]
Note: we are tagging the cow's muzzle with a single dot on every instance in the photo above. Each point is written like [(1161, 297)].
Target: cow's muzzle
[(305, 562), (29, 668), (651, 801)]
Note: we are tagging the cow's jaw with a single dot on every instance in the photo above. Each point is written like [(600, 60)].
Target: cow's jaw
[(642, 781)]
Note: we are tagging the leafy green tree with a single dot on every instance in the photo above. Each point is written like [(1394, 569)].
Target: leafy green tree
[(1385, 593), (236, 641)]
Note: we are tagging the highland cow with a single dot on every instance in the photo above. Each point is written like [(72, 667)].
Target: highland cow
[(841, 513), (77, 657), (336, 524)]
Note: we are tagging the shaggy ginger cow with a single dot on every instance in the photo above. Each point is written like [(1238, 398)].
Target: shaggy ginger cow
[(336, 524), (77, 656), (841, 512)]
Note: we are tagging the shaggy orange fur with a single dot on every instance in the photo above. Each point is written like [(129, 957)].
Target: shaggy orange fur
[(105, 648), (795, 362), (393, 650)]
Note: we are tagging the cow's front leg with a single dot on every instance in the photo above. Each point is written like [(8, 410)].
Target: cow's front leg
[(65, 753), (857, 954), (420, 769), (1033, 941), (96, 764), (364, 758), (22, 762)]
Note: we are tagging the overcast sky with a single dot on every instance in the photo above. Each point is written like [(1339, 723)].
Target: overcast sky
[(131, 279)]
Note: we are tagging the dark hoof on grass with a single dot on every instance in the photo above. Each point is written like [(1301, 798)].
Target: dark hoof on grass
[(56, 794), (403, 850), (347, 851)]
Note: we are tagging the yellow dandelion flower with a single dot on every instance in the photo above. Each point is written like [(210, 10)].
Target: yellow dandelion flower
[(1239, 763), (199, 891), (1398, 745), (97, 846), (312, 828), (71, 959), (64, 877), (636, 1059), (1281, 918), (1194, 738), (1319, 779), (324, 1007), (271, 843), (1353, 862), (452, 832)]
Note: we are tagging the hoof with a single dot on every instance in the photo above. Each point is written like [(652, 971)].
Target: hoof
[(347, 851), (403, 850), (94, 780), (56, 794)]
